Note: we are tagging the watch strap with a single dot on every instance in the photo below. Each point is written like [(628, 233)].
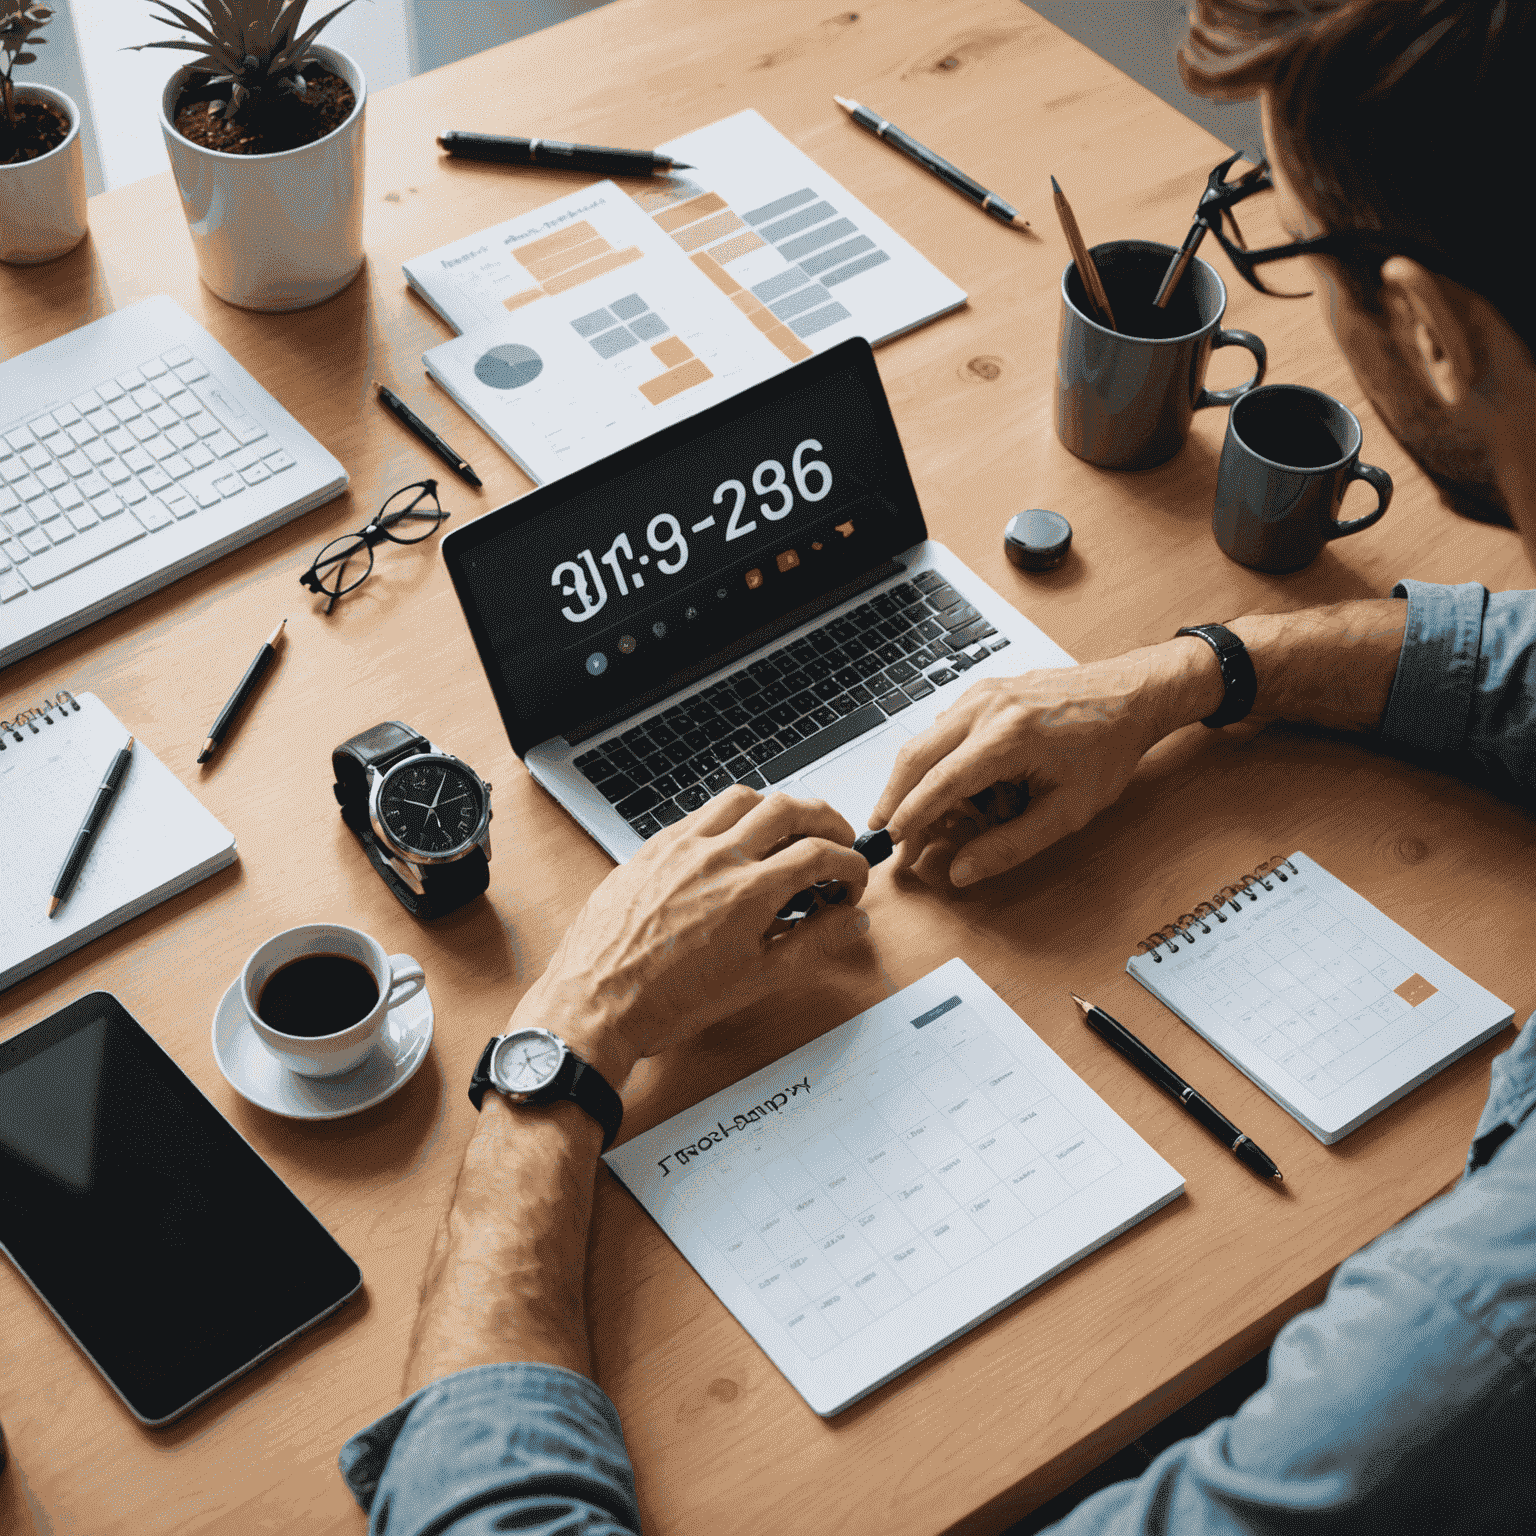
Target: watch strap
[(1239, 680), (445, 887), (582, 1084)]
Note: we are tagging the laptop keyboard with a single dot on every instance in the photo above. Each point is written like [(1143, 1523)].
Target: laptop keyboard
[(136, 454), (780, 714)]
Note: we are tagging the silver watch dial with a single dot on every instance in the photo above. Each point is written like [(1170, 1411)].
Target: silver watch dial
[(431, 806), (526, 1060)]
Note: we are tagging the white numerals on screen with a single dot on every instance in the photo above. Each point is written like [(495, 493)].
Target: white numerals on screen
[(673, 540), (801, 469), (572, 581), (611, 560), (735, 528), (768, 480)]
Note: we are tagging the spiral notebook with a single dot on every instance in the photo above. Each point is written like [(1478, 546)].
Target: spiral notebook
[(883, 1189), (157, 839), (1321, 999)]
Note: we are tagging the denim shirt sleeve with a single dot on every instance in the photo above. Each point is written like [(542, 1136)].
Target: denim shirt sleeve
[(1406, 1401), (524, 1447), (1466, 679)]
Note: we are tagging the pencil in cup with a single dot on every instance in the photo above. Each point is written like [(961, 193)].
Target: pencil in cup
[(1092, 282)]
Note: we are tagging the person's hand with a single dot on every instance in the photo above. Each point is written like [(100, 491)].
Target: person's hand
[(685, 933), (1073, 735)]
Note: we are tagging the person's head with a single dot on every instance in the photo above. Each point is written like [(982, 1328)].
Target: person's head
[(1404, 122)]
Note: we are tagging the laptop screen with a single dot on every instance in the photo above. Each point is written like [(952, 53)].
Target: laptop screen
[(591, 596)]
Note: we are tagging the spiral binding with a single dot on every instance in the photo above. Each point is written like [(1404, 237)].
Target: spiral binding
[(1227, 896), (62, 703)]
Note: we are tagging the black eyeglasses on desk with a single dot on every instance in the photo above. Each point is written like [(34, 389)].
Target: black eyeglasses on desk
[(1214, 214), (412, 514)]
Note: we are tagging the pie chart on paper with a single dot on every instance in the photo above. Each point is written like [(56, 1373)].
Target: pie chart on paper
[(509, 366)]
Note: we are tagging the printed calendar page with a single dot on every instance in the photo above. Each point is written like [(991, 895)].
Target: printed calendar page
[(1326, 1003), (883, 1189)]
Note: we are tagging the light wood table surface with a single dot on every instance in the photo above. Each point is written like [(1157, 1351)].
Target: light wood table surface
[(1028, 1401)]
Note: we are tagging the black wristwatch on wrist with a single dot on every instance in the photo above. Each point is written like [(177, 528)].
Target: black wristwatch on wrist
[(535, 1066), (1237, 674), (422, 816)]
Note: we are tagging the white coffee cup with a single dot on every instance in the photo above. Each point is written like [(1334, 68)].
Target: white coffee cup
[(398, 978)]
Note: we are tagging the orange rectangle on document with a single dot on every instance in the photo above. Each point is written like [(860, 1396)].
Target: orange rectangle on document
[(717, 275), (572, 256), (561, 240), (685, 213), (672, 351), (731, 249), (787, 343), (674, 382), (762, 319), (527, 296), (575, 276), (1416, 990), (710, 229)]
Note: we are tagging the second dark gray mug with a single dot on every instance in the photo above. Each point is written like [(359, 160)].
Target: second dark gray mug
[(1125, 398), (1289, 456)]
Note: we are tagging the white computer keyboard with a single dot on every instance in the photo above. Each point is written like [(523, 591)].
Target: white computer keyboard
[(137, 474)]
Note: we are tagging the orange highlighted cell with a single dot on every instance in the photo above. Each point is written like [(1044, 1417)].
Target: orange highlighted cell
[(590, 269), (711, 229), (686, 213), (745, 302), (1416, 990), (672, 350), (717, 275), (731, 249), (787, 342), (763, 320), (562, 261), (675, 381), (562, 239), (527, 296)]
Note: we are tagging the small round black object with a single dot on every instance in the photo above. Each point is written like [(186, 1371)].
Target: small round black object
[(875, 846), (1037, 540)]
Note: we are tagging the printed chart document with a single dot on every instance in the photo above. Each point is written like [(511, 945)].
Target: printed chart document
[(882, 1190), (1319, 997), (598, 319)]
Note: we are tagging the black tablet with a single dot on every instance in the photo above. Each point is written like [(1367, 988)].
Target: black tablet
[(170, 1252)]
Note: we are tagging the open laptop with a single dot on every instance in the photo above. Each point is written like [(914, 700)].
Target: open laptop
[(748, 596)]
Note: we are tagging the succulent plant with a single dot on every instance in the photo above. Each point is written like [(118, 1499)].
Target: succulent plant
[(20, 22), (253, 46)]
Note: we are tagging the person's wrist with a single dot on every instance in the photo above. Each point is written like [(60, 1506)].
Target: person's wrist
[(595, 1032), (1188, 682)]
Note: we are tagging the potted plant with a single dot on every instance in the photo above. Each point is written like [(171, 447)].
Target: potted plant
[(42, 163), (265, 134)]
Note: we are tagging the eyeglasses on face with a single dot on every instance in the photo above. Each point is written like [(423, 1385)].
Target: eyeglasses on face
[(412, 514)]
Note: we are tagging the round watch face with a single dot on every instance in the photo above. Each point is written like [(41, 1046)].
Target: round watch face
[(431, 806), (526, 1061)]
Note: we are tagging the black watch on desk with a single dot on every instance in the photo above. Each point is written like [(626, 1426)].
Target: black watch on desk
[(535, 1066), (422, 816)]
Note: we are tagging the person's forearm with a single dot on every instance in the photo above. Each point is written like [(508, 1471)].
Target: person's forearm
[(507, 1275), (1333, 666)]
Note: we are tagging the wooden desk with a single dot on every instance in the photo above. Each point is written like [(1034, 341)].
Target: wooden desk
[(1025, 1403)]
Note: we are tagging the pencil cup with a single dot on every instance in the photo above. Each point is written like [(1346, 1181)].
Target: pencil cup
[(1125, 398), (1289, 456)]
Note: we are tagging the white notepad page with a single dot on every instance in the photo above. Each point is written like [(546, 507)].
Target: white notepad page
[(1328, 1005), (156, 841), (880, 1191)]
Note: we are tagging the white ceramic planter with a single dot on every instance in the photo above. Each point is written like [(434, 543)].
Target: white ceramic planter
[(274, 232), (42, 201)]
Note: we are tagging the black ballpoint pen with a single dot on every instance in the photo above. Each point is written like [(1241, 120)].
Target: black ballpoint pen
[(937, 165), (455, 461), (241, 696), (556, 154), (105, 794), (1158, 1071)]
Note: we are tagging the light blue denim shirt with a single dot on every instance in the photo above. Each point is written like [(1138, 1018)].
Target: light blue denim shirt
[(1405, 1402)]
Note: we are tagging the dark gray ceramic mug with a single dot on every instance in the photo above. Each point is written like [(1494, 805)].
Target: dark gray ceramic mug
[(1289, 456), (1124, 398)]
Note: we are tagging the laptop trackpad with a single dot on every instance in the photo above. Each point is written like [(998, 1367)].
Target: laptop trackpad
[(852, 782)]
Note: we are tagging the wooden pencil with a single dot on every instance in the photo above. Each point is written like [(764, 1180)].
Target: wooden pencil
[(1092, 282)]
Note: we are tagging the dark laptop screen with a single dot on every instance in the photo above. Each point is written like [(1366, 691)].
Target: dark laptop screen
[(621, 581)]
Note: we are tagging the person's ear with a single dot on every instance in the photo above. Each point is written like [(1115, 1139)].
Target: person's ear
[(1437, 321)]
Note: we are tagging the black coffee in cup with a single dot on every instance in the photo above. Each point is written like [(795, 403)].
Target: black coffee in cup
[(1276, 429), (318, 995)]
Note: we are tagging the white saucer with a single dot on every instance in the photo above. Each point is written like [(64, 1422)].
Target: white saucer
[(256, 1074)]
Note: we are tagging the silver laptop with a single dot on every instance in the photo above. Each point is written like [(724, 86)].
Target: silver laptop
[(749, 596), (132, 451)]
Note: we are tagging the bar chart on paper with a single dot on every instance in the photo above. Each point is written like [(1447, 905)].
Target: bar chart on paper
[(886, 1187)]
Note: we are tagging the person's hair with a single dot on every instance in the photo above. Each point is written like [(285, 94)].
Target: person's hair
[(1407, 118)]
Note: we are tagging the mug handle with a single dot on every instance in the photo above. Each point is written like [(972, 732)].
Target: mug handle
[(1231, 396), (1381, 482), (406, 979)]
